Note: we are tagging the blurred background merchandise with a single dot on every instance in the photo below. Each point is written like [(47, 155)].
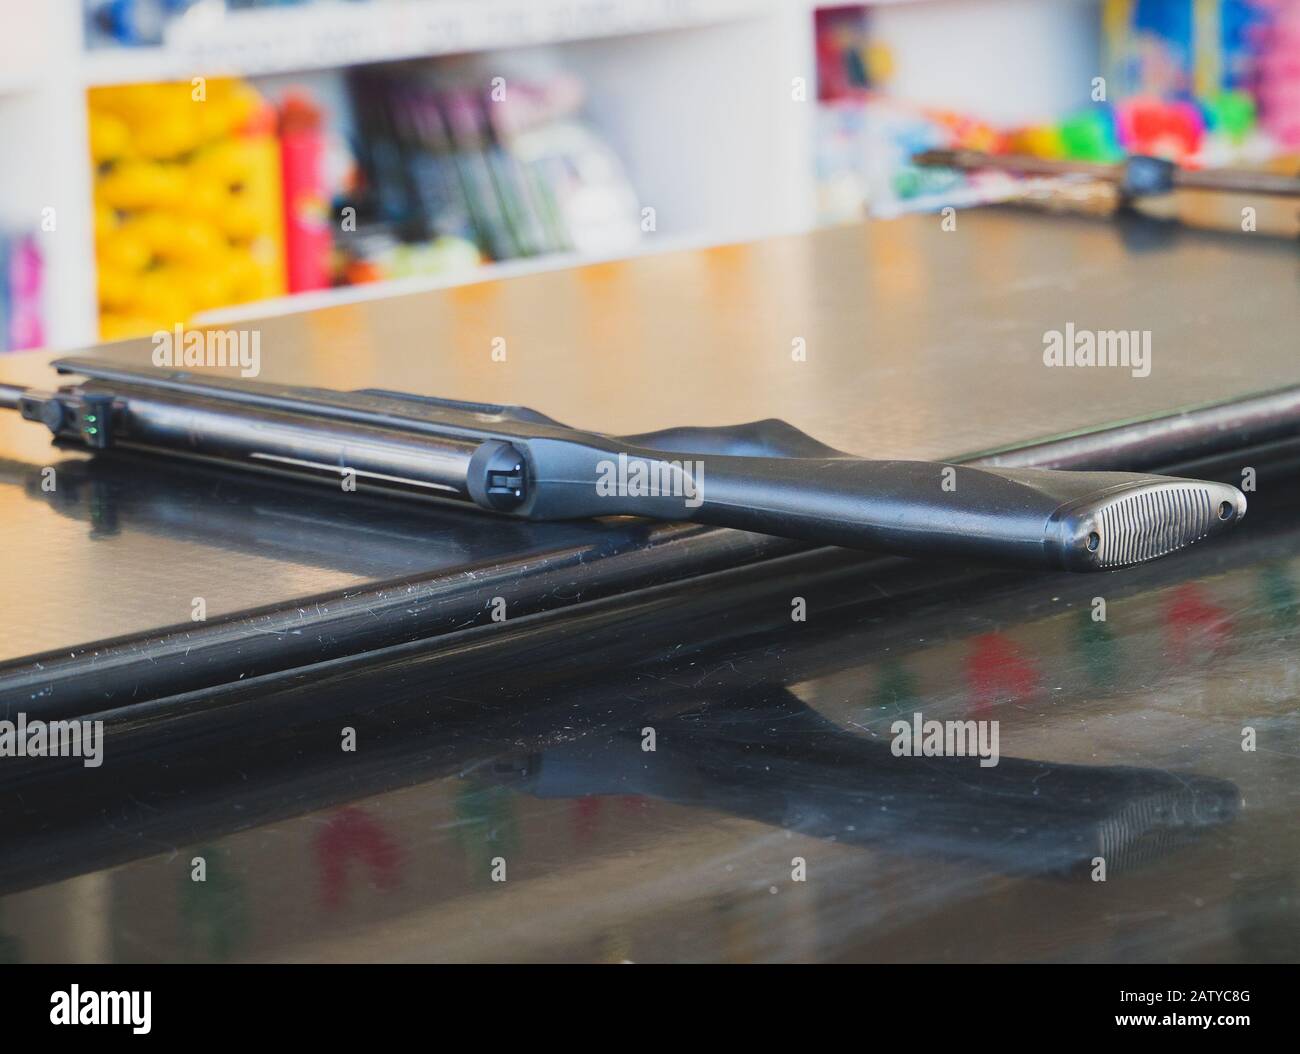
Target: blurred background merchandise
[(171, 160), (188, 211), (1199, 82)]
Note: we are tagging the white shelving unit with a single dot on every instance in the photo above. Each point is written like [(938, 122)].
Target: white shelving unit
[(695, 95), (682, 87), (258, 41)]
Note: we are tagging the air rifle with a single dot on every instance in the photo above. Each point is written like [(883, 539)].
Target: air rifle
[(766, 476)]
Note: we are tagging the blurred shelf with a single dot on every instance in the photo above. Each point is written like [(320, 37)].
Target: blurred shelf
[(333, 34), (737, 170), (488, 272)]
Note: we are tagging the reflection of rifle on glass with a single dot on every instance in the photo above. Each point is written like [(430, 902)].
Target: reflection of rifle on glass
[(763, 755), (775, 760)]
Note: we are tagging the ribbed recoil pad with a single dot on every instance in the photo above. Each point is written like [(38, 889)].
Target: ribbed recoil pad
[(1159, 520), (1142, 521)]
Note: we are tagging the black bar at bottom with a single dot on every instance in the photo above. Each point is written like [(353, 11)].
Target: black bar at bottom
[(982, 1004)]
